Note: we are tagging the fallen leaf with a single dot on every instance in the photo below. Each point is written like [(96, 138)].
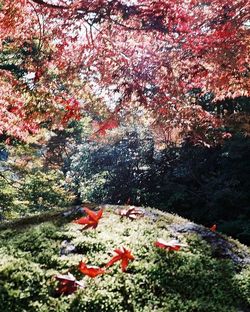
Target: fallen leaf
[(91, 220), (132, 213), (172, 245), (67, 284), (91, 271), (124, 255), (213, 228)]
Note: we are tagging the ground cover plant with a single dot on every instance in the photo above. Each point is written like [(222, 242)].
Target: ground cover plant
[(197, 276)]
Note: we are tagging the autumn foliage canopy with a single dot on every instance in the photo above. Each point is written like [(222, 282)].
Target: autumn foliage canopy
[(55, 56)]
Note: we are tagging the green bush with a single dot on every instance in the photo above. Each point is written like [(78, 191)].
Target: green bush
[(8, 203), (242, 281), (45, 191), (207, 185), (21, 283), (27, 185), (35, 192)]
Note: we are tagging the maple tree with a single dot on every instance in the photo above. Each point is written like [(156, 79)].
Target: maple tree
[(151, 54)]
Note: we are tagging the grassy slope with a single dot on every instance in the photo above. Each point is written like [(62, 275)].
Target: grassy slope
[(201, 278)]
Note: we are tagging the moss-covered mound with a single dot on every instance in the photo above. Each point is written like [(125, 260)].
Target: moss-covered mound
[(211, 274)]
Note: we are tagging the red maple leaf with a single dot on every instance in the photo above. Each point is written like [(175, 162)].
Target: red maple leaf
[(172, 245), (91, 220), (91, 271), (124, 255), (213, 228), (67, 284)]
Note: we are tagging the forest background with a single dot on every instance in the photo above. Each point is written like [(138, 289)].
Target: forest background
[(126, 102)]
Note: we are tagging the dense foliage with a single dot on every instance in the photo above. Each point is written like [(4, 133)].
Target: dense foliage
[(114, 172), (27, 187), (55, 58), (195, 279), (209, 185)]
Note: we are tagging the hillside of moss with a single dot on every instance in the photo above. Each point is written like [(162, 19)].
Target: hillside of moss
[(211, 274)]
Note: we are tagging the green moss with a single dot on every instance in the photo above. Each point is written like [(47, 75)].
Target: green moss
[(242, 281), (188, 280)]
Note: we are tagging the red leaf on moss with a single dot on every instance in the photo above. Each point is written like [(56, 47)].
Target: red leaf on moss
[(213, 228), (91, 220), (131, 213), (91, 271), (67, 284), (124, 255), (172, 245)]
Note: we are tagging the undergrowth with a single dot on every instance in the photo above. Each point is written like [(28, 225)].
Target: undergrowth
[(157, 280)]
